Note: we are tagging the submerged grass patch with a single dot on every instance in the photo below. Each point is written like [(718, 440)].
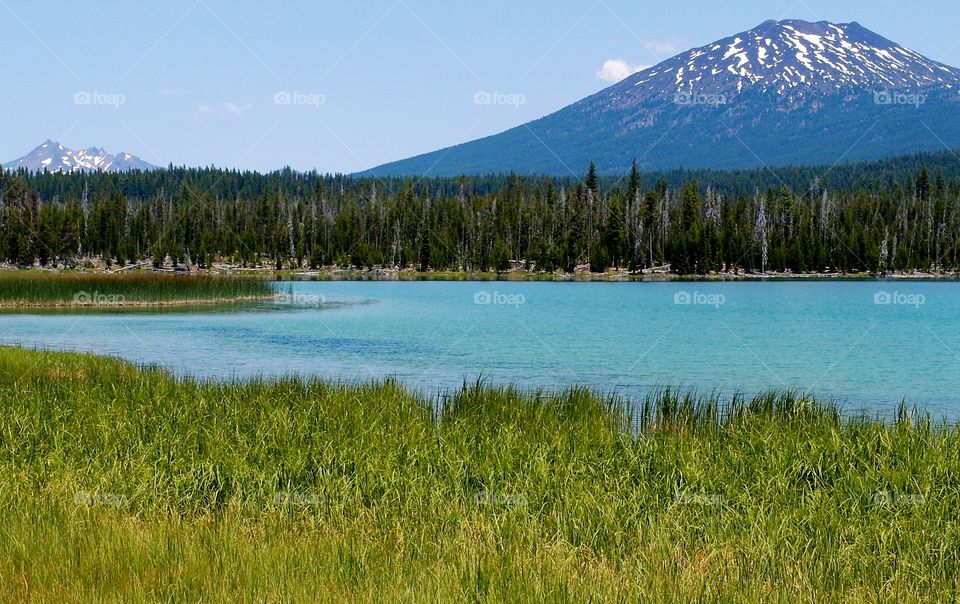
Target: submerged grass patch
[(41, 288), (122, 483)]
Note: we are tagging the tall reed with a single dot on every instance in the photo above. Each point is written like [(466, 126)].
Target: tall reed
[(120, 483), (49, 288)]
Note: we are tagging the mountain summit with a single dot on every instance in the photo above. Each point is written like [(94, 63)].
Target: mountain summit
[(797, 56), (783, 93), (54, 157)]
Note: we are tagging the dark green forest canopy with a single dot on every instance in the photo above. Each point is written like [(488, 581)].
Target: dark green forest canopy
[(842, 178), (897, 214)]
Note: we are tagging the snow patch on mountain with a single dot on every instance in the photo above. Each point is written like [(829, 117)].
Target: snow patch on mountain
[(54, 157), (796, 56)]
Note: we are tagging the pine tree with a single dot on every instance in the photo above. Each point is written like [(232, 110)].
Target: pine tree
[(636, 181), (592, 182)]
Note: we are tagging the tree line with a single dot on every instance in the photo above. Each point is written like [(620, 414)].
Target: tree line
[(634, 222)]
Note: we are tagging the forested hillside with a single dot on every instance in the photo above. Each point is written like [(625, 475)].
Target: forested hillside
[(901, 214)]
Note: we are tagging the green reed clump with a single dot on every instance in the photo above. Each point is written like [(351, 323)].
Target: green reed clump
[(119, 483), (27, 288)]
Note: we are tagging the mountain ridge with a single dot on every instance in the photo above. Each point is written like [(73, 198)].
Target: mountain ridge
[(787, 92), (54, 157)]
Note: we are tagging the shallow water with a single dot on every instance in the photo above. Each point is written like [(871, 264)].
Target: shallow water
[(838, 340)]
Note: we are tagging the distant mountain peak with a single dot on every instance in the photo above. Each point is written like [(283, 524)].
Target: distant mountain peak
[(52, 156), (786, 92), (793, 55)]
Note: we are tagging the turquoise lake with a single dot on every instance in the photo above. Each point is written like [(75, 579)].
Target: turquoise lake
[(865, 344)]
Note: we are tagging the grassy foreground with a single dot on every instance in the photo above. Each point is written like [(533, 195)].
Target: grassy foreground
[(118, 484), (19, 289)]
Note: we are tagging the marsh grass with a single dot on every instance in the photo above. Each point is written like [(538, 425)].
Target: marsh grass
[(119, 483), (46, 289)]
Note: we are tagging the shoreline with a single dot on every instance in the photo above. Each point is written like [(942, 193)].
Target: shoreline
[(381, 274), (7, 305), (353, 275)]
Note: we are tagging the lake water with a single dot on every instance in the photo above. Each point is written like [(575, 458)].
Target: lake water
[(866, 344)]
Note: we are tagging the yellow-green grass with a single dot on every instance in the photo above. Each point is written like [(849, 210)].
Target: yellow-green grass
[(122, 484), (25, 289)]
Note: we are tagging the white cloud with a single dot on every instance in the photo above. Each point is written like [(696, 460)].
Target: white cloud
[(219, 112), (238, 110), (203, 110), (614, 70), (663, 47)]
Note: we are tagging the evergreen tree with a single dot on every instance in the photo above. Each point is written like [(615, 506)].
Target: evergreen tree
[(592, 182)]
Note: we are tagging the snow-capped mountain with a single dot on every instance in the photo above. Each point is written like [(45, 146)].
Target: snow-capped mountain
[(785, 92), (787, 56), (54, 157)]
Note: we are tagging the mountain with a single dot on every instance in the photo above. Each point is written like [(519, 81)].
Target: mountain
[(54, 157), (784, 93)]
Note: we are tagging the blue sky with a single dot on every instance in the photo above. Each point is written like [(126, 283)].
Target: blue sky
[(342, 86)]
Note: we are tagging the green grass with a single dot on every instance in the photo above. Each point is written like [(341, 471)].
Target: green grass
[(122, 484), (41, 288)]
